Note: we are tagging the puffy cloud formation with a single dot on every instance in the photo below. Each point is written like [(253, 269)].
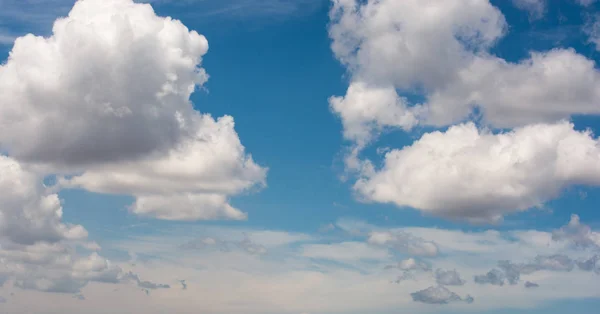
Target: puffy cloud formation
[(439, 51), (366, 110), (511, 273), (105, 101), (112, 83), (493, 277), (28, 211), (38, 250), (191, 182), (466, 173), (403, 242), (580, 235), (448, 277), (439, 295), (429, 64)]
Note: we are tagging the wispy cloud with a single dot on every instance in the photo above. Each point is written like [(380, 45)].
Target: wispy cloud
[(19, 17), (260, 11)]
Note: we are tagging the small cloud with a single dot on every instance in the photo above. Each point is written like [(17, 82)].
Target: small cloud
[(578, 234), (439, 295), (448, 277), (493, 277), (183, 284), (530, 284), (511, 272), (145, 285)]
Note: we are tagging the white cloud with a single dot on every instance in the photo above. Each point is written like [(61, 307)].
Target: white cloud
[(448, 277), (106, 98), (112, 83), (536, 8), (28, 212), (439, 51), (38, 251), (412, 63), (404, 242), (578, 234), (439, 295), (366, 111), (286, 281), (466, 173)]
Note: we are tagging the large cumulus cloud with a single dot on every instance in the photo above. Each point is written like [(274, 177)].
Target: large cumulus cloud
[(429, 63), (473, 174), (105, 100)]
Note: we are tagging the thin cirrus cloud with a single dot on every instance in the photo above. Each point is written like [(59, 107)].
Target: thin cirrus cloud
[(467, 172), (536, 8)]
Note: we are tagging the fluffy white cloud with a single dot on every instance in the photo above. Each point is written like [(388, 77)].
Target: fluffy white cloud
[(367, 110), (191, 182), (28, 211), (438, 50), (467, 173), (106, 98), (546, 87), (37, 249), (112, 83), (429, 63)]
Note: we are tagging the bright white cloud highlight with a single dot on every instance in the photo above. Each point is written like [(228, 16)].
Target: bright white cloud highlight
[(106, 98), (467, 173), (28, 211), (438, 50)]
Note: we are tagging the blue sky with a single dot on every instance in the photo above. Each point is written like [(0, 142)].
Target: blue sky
[(374, 156)]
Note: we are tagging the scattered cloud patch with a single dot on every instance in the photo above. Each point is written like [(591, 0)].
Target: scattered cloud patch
[(403, 242), (448, 278), (439, 295), (441, 54), (146, 285), (578, 234), (529, 285)]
